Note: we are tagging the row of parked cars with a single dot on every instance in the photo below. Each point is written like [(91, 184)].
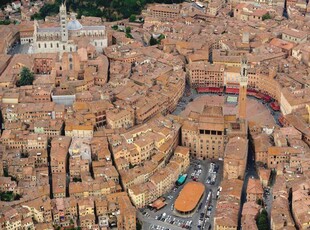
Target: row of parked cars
[(205, 216), (172, 220), (212, 173), (219, 190), (267, 191), (146, 214), (197, 171), (157, 227)]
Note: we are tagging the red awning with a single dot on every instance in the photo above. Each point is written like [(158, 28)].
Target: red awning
[(260, 95), (281, 120), (251, 91), (275, 106), (232, 90), (216, 89), (209, 90), (266, 98), (252, 94)]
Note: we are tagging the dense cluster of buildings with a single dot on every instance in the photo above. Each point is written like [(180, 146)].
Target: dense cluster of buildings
[(278, 67), (93, 138)]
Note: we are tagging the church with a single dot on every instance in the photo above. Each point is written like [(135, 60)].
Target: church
[(68, 35)]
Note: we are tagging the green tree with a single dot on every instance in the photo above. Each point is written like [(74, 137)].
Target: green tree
[(161, 37), (36, 16), (262, 220), (115, 27), (4, 2), (129, 36), (266, 16), (49, 9), (264, 212), (138, 226), (76, 179), (112, 10), (132, 18), (128, 30), (259, 202), (26, 77), (5, 22), (5, 172), (7, 196), (153, 41), (131, 166)]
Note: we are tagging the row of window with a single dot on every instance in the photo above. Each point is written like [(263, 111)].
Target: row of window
[(51, 46), (210, 132), (213, 142)]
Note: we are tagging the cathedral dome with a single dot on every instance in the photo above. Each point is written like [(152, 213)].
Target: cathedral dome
[(74, 25)]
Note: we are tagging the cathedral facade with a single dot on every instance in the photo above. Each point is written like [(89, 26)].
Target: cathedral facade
[(68, 36)]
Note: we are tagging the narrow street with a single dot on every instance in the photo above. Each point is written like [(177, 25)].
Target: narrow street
[(50, 169), (250, 173)]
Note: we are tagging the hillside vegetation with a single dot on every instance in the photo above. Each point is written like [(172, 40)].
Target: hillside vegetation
[(111, 10)]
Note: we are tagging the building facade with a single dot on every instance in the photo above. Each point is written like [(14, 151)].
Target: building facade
[(202, 74), (235, 158), (205, 136)]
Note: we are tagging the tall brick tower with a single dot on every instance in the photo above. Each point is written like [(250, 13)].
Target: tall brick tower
[(243, 88)]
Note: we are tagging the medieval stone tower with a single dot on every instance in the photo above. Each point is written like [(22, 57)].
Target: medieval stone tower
[(243, 88)]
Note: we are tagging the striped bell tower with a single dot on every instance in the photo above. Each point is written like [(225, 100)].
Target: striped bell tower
[(63, 22)]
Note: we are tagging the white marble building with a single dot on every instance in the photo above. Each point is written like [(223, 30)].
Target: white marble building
[(68, 35)]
